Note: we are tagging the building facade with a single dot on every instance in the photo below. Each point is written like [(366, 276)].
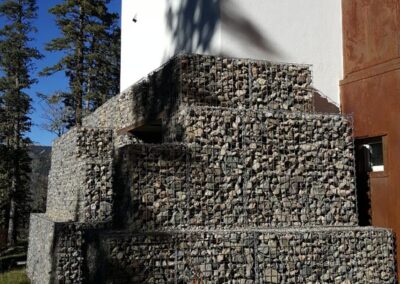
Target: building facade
[(352, 45), (301, 31), (370, 91)]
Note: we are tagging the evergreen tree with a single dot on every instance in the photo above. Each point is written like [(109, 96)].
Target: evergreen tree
[(103, 68), (90, 40), (3, 173), (15, 66)]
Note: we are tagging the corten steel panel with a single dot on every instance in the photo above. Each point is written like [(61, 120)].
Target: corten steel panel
[(370, 33), (380, 195), (375, 105)]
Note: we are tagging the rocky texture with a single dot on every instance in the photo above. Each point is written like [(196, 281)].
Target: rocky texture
[(69, 253), (55, 252), (241, 169), (153, 186), (206, 80), (40, 251), (326, 255), (320, 255), (249, 188), (244, 83), (80, 179)]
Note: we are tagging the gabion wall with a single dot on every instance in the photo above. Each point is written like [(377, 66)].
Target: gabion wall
[(244, 83), (207, 80), (344, 255), (80, 179), (241, 169), (40, 258), (70, 258), (65, 178), (83, 254), (242, 161)]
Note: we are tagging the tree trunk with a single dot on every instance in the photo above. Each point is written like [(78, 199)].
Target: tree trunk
[(11, 236), (14, 145)]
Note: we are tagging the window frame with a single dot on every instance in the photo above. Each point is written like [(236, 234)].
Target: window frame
[(370, 140)]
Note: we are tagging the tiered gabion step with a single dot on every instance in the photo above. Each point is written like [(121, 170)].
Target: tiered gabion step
[(81, 254), (80, 178), (248, 186), (240, 168), (323, 255), (189, 80)]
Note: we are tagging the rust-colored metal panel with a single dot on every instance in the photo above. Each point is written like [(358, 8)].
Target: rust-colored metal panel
[(370, 90), (380, 195), (375, 104), (370, 32)]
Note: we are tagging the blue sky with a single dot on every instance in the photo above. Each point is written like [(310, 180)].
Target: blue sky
[(47, 30)]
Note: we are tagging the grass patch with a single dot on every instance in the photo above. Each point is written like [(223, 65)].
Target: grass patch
[(17, 276)]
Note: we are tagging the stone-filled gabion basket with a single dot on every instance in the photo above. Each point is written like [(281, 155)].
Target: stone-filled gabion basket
[(80, 179), (238, 168), (199, 80), (326, 255), (246, 185)]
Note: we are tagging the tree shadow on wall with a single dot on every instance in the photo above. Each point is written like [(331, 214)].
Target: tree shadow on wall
[(245, 29), (193, 25)]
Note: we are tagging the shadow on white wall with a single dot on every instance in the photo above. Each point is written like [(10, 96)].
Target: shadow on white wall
[(194, 25)]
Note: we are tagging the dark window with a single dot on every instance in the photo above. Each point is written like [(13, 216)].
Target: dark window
[(375, 147)]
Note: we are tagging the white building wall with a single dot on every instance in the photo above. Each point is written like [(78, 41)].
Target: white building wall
[(162, 29), (295, 31)]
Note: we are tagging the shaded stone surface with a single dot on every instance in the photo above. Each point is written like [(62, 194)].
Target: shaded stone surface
[(247, 186)]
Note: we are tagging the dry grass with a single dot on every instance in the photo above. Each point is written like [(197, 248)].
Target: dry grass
[(17, 276)]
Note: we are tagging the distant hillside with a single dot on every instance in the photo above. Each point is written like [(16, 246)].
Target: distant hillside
[(41, 156)]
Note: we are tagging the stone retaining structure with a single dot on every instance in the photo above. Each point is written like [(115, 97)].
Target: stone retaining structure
[(247, 185), (326, 255), (189, 80), (41, 245), (82, 254), (80, 179)]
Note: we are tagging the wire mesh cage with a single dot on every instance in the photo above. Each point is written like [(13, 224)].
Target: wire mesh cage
[(143, 258), (155, 177), (244, 83), (267, 168), (329, 255)]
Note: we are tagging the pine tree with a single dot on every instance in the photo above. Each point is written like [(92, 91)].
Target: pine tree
[(89, 39), (104, 68), (3, 173), (15, 66)]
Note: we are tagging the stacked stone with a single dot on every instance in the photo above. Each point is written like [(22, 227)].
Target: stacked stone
[(41, 237), (248, 188), (70, 258), (190, 80), (326, 255), (249, 164), (244, 83), (80, 179), (65, 178), (242, 169), (156, 181)]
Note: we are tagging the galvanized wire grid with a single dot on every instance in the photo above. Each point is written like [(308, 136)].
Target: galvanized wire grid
[(251, 168), (159, 186), (283, 256), (244, 83)]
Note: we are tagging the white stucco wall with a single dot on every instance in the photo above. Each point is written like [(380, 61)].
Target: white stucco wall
[(295, 31), (153, 39)]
